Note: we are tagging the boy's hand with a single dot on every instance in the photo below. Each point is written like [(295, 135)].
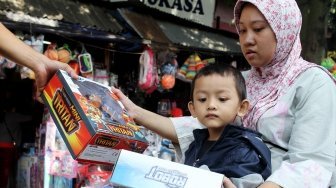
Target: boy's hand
[(227, 183), (128, 104)]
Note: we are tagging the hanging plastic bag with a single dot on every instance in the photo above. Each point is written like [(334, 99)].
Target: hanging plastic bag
[(148, 77), (85, 61)]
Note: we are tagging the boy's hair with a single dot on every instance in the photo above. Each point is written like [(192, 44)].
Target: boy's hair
[(222, 69)]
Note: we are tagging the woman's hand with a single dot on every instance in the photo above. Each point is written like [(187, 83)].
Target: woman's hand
[(45, 69), (14, 49)]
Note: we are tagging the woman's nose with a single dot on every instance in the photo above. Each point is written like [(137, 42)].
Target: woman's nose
[(248, 38)]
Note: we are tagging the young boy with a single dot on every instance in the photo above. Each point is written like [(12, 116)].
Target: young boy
[(218, 97)]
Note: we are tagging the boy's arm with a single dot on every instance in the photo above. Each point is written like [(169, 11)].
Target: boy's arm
[(152, 121)]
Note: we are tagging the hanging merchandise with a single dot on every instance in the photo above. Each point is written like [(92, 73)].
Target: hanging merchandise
[(2, 73), (37, 44), (101, 76), (168, 69), (64, 54), (148, 76), (51, 51), (113, 73), (8, 64), (329, 63), (190, 67), (62, 164), (74, 65), (85, 61)]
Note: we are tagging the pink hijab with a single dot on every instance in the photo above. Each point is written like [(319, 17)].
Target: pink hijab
[(264, 90)]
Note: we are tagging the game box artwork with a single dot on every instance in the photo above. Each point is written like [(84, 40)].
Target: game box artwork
[(92, 121), (147, 171)]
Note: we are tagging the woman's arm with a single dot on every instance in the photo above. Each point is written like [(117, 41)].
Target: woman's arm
[(14, 49), (152, 121), (310, 160)]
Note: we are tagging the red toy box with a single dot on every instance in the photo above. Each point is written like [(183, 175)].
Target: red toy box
[(92, 121)]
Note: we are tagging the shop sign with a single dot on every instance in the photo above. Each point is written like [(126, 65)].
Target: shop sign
[(200, 11)]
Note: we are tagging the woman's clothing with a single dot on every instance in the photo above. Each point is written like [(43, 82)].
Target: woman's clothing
[(304, 122), (238, 152)]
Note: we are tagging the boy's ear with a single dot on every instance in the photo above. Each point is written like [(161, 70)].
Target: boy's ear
[(244, 106), (191, 108)]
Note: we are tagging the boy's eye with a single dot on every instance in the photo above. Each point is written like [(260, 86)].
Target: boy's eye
[(202, 99), (222, 99)]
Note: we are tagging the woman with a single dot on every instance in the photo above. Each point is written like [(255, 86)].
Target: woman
[(292, 101)]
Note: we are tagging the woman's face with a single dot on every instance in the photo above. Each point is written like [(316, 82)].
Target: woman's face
[(256, 37)]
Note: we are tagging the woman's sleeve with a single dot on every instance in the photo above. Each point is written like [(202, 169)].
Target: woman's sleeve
[(311, 150), (184, 127)]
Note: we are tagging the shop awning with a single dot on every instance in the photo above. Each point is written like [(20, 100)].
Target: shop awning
[(150, 28), (51, 13)]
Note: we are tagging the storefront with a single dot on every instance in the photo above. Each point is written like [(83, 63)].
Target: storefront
[(115, 36)]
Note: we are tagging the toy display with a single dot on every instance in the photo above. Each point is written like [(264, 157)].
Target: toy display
[(93, 175), (92, 122)]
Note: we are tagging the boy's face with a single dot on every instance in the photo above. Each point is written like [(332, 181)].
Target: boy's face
[(215, 102)]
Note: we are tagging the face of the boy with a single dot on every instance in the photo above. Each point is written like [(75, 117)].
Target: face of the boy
[(215, 102)]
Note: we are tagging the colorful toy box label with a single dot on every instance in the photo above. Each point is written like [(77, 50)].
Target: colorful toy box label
[(91, 120), (138, 170)]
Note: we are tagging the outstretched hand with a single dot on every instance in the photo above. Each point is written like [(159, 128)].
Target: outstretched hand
[(46, 69), (128, 104), (14, 49)]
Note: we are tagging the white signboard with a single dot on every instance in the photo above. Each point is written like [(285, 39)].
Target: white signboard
[(200, 11)]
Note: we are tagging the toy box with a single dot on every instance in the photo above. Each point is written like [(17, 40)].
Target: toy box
[(138, 170), (91, 120)]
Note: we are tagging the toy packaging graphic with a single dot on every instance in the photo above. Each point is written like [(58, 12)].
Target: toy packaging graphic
[(152, 172), (91, 120)]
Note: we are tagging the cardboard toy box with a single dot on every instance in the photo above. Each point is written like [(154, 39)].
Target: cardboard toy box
[(138, 170), (91, 120)]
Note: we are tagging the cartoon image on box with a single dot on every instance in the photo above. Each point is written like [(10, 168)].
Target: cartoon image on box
[(92, 112), (101, 110)]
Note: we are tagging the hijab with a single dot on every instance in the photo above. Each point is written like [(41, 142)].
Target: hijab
[(264, 90)]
